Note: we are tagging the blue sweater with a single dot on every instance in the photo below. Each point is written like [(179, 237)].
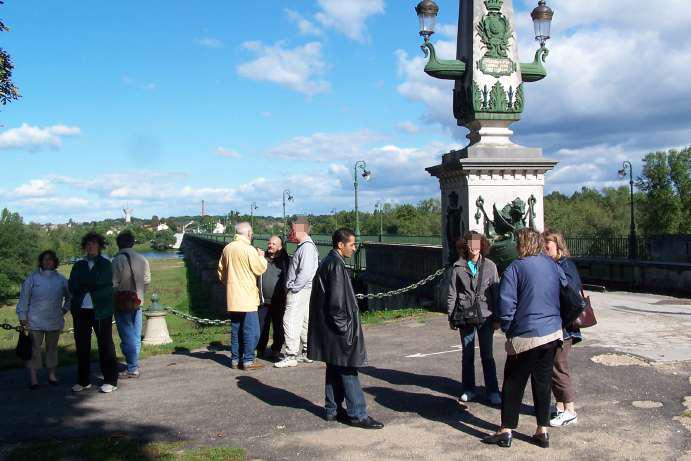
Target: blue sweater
[(529, 297)]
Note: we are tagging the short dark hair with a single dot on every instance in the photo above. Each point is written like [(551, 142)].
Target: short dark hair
[(462, 243), (302, 221), (342, 235), (52, 255), (94, 236), (125, 239)]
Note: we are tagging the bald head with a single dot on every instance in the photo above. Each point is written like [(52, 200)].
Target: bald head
[(243, 228)]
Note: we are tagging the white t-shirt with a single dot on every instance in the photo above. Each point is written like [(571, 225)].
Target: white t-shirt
[(88, 303)]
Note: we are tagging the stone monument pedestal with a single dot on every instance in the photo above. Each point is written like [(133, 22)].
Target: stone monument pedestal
[(485, 182), (156, 329)]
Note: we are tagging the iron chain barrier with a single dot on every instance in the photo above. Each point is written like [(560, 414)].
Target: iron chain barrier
[(388, 294), (215, 322)]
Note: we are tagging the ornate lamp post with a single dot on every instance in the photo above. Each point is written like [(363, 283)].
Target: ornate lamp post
[(633, 247), (253, 206), (366, 174), (379, 207), (491, 174), (287, 196)]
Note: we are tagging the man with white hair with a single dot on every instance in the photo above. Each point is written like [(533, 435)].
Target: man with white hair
[(238, 269)]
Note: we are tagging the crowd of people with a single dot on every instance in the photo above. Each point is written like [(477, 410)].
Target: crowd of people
[(310, 310), (93, 295)]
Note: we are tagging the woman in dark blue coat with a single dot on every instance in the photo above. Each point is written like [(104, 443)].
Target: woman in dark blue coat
[(562, 386)]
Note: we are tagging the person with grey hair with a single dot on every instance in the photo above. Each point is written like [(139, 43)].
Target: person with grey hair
[(238, 269), (301, 271)]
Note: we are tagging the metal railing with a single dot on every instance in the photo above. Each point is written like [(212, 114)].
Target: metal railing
[(608, 247)]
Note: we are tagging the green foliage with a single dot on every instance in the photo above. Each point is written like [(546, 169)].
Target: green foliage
[(8, 91), (163, 240), (666, 183), (19, 248)]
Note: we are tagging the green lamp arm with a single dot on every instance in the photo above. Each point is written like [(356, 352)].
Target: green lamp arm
[(534, 71), (447, 69)]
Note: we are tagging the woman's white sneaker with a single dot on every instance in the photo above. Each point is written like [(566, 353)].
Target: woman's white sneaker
[(108, 388), (79, 387), (564, 418), (288, 361)]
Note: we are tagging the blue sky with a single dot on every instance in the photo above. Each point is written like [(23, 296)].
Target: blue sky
[(158, 105)]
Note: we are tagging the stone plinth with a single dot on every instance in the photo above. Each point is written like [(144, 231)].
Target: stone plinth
[(476, 179), (156, 329)]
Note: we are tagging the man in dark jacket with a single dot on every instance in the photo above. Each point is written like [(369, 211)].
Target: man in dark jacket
[(335, 335), (272, 294)]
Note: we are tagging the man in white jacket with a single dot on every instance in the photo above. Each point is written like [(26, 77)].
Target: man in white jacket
[(130, 273), (301, 271)]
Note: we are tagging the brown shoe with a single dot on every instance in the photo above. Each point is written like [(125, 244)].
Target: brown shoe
[(252, 366)]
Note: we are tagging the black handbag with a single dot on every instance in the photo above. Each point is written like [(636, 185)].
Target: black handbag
[(571, 304), (23, 349), (468, 316)]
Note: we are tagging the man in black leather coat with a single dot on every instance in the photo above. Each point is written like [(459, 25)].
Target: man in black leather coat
[(335, 335)]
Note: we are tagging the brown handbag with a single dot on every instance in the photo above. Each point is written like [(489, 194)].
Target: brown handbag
[(128, 301), (587, 317)]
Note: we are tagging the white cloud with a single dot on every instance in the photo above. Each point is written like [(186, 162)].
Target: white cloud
[(305, 26), (228, 153), (323, 147), (209, 42), (34, 188), (135, 83), (34, 138), (299, 69), (408, 127), (349, 17)]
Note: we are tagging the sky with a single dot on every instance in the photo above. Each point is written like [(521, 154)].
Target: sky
[(157, 105)]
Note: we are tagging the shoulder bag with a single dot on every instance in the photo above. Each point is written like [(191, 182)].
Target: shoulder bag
[(571, 304), (126, 300), (469, 315), (23, 349), (587, 317)]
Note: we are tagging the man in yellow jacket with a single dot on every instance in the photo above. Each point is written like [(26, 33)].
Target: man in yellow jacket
[(238, 269)]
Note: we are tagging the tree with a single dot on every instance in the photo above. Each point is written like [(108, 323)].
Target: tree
[(163, 240), (19, 248), (662, 205), (680, 173), (8, 91)]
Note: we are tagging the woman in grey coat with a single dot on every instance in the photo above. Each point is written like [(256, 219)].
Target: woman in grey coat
[(474, 284), (43, 301)]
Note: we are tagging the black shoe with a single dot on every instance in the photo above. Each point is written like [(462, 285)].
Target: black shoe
[(541, 440), (54, 383), (33, 387), (503, 439), (367, 423)]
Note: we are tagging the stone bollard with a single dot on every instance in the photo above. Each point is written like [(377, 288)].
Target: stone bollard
[(156, 330)]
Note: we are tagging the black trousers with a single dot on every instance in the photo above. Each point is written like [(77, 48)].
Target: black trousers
[(84, 322), (536, 363), (271, 316)]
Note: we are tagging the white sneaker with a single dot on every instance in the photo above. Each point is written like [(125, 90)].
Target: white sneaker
[(303, 359), (287, 361), (494, 398), (79, 387), (467, 396), (108, 388), (564, 418)]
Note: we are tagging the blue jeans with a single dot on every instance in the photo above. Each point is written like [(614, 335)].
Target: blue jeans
[(244, 335), (485, 332), (130, 330), (343, 383)]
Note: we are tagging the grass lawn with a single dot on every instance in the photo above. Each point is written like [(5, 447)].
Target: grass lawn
[(169, 280), (117, 448)]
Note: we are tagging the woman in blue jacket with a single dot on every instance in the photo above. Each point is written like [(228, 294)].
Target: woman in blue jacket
[(562, 387), (528, 310)]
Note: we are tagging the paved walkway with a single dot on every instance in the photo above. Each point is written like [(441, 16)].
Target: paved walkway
[(631, 374)]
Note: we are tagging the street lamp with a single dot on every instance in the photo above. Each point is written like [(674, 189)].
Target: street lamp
[(542, 22), (380, 206), (427, 12), (289, 197), (633, 247), (253, 206), (366, 174)]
